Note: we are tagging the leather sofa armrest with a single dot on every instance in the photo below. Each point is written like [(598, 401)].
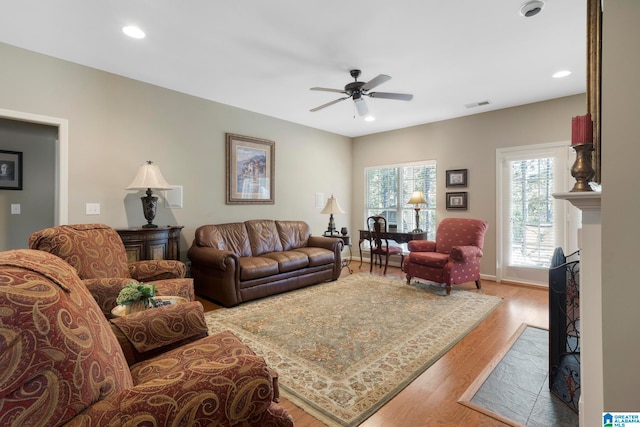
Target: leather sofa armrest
[(151, 332), (465, 253), (231, 391), (146, 271), (421, 246), (329, 243), (211, 257)]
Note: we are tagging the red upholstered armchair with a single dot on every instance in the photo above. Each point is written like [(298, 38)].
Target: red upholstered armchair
[(454, 257), (97, 253), (61, 363)]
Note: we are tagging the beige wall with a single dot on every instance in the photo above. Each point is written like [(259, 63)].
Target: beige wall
[(467, 143), (115, 124), (620, 204)]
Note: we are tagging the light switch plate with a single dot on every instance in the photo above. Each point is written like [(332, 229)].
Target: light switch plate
[(15, 208), (92, 209)]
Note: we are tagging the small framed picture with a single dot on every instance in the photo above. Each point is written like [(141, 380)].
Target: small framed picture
[(457, 201), (10, 170), (457, 178)]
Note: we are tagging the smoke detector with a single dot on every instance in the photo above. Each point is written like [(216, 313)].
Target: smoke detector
[(531, 8)]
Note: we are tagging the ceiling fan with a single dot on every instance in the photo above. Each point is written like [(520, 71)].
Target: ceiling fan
[(357, 90)]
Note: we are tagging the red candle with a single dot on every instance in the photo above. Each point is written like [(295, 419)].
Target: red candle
[(581, 130)]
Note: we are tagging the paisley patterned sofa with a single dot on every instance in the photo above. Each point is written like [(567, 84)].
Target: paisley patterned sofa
[(97, 253), (61, 363)]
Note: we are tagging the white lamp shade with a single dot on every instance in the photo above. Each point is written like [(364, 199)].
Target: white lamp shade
[(149, 176), (332, 207), (417, 198)]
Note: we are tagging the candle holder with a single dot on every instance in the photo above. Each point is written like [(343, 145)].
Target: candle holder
[(582, 169)]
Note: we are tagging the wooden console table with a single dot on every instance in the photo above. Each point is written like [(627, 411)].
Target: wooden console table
[(151, 243), (396, 236)]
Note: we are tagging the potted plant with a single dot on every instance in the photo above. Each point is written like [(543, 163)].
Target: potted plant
[(136, 296)]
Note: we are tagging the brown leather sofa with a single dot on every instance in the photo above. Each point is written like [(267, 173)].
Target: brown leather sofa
[(242, 261)]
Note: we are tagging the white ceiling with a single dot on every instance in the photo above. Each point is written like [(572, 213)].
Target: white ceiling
[(264, 55)]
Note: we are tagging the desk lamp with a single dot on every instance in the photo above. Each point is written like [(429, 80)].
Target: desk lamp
[(417, 198)]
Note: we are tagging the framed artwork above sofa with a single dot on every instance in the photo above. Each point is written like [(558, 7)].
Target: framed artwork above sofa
[(250, 175)]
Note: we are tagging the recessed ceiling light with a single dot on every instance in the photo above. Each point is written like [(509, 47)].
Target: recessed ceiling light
[(133, 32), (369, 119), (560, 74)]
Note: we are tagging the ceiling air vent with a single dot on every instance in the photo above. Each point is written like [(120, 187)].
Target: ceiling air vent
[(477, 104)]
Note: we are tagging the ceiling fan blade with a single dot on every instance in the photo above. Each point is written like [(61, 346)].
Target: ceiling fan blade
[(361, 106), (387, 95), (375, 82), (335, 101), (326, 89)]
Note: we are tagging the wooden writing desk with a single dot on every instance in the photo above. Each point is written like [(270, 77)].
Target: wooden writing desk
[(391, 235)]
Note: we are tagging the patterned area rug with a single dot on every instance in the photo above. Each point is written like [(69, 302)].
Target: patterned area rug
[(343, 349)]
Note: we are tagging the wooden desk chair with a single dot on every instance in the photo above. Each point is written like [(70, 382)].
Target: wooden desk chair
[(379, 245)]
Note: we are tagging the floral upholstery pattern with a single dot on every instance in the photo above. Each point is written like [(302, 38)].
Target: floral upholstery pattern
[(97, 253), (454, 257), (60, 363)]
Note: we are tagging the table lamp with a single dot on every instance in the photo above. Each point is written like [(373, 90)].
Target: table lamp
[(330, 208), (149, 177), (417, 199)]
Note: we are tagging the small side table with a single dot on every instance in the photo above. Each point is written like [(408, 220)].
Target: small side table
[(346, 239), (122, 310), (151, 243)]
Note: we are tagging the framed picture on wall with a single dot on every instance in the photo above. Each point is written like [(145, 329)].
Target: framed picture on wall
[(10, 170), (457, 201), (457, 178), (250, 170)]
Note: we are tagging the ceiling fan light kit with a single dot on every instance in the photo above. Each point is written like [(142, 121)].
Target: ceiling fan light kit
[(356, 90)]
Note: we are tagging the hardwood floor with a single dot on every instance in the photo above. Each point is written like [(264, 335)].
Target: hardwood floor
[(432, 399)]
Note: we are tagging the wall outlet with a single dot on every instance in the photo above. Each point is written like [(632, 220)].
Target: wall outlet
[(93, 209), (15, 208)]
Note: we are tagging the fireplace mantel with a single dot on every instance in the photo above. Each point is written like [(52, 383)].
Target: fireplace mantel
[(583, 200), (591, 403)]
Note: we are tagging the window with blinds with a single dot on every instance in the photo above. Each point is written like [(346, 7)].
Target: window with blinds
[(532, 234), (389, 188)]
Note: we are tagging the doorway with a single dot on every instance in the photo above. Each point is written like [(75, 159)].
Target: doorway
[(61, 158), (531, 222)]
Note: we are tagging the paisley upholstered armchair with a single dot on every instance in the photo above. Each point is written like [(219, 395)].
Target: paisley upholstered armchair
[(97, 253), (61, 363), (453, 258)]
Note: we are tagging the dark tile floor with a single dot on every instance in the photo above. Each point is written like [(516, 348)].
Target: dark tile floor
[(518, 388)]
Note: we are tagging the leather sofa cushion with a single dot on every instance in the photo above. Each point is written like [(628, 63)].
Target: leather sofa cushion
[(317, 256), (430, 259), (225, 237), (289, 260), (293, 234), (263, 236), (257, 267)]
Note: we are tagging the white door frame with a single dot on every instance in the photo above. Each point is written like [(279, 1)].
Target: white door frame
[(560, 208), (61, 211)]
